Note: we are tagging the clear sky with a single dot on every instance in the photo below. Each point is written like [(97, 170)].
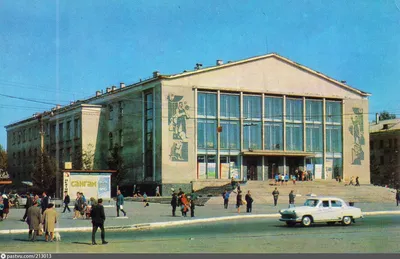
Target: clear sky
[(55, 52)]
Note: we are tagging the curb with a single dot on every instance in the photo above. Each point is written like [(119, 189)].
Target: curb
[(143, 226)]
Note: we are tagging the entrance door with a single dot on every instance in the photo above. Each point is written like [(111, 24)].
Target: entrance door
[(293, 164), (252, 169)]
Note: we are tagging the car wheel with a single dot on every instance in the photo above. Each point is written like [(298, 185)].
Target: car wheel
[(346, 220), (306, 221), (290, 223), (331, 223)]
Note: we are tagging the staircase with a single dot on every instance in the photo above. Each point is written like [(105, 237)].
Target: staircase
[(262, 192)]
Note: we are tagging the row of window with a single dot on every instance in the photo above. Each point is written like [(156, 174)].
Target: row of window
[(273, 108), (390, 143), (111, 139), (273, 136)]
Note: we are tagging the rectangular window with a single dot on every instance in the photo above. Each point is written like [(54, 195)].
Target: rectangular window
[(294, 137), (252, 107), (77, 128), (390, 143), (30, 134), (381, 143), (61, 132), (23, 135), (230, 135), (13, 138), (314, 111), (294, 110), (333, 112), (229, 106), (273, 108), (68, 155), (121, 138), (395, 142), (36, 132), (68, 135), (149, 106), (110, 112), (382, 158), (207, 167), (334, 139), (207, 134), (121, 109), (314, 138), (207, 105), (273, 136), (229, 167), (252, 135)]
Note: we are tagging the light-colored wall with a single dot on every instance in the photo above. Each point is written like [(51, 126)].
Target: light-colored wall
[(356, 159), (269, 75)]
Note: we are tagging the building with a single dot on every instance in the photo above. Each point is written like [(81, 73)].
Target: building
[(248, 119), (385, 156)]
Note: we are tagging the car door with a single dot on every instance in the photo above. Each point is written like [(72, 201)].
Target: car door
[(322, 212), (337, 210)]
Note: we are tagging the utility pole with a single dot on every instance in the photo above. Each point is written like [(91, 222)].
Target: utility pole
[(41, 132)]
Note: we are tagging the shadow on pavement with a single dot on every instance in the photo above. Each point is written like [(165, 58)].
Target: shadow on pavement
[(82, 243)]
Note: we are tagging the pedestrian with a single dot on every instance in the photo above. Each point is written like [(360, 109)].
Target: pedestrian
[(1, 209), (44, 202), (184, 204), (34, 218), (49, 221), (275, 194), (351, 180), (120, 203), (249, 202), (77, 206), (158, 191), (225, 196), (98, 219), (398, 197), (294, 179), (239, 201), (66, 202), (29, 203), (282, 179), (286, 178), (174, 203), (6, 204), (291, 199), (145, 200), (179, 197), (357, 181), (192, 207)]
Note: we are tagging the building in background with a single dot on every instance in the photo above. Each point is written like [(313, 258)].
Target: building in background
[(385, 156), (248, 119)]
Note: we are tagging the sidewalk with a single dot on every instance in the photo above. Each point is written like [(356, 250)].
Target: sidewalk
[(159, 213)]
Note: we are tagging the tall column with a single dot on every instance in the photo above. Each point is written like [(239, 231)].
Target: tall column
[(218, 160), (284, 133), (262, 134), (195, 133), (241, 134), (324, 136)]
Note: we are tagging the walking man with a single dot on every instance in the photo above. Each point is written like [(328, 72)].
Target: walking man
[(34, 218), (120, 203), (174, 203), (158, 191), (225, 196), (357, 181), (67, 200), (98, 218), (49, 221), (275, 193), (398, 197), (45, 202), (291, 199), (29, 203)]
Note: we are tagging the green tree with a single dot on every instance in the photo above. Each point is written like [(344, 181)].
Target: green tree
[(384, 115), (88, 157), (3, 158), (376, 176), (115, 162), (44, 174)]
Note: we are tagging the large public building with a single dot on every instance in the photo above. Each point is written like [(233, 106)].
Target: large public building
[(248, 119)]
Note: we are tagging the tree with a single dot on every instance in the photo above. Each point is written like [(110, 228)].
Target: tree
[(3, 158), (116, 162), (384, 115), (84, 160), (44, 174), (376, 176)]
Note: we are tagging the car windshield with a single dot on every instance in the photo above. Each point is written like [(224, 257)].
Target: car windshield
[(311, 203)]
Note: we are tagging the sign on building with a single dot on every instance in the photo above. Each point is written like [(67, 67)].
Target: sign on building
[(91, 184)]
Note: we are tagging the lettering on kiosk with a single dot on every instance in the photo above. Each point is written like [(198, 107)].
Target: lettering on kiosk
[(84, 184)]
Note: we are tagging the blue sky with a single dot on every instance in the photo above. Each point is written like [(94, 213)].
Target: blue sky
[(60, 51)]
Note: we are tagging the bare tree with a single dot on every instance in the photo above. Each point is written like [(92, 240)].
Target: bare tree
[(44, 174)]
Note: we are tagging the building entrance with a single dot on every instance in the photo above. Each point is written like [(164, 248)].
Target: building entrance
[(293, 164), (252, 168)]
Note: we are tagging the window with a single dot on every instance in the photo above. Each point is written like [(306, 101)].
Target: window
[(121, 108), (371, 144), (336, 204), (23, 135), (273, 108), (252, 135), (333, 112), (30, 134), (230, 135), (207, 168), (382, 160), (390, 143), (252, 107), (68, 155), (230, 106), (61, 131), (294, 110), (207, 104), (381, 143), (207, 134), (13, 138), (121, 138), (110, 140), (314, 111), (68, 136), (110, 111), (325, 204), (273, 136), (334, 138), (294, 136), (19, 137), (35, 132), (314, 137), (76, 128), (395, 142), (148, 121)]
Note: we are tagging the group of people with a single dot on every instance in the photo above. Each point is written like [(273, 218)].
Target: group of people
[(351, 182), (184, 202)]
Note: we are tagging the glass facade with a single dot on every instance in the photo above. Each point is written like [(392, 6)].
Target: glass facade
[(148, 141), (273, 123)]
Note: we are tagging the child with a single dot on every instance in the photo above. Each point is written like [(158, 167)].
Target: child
[(145, 200)]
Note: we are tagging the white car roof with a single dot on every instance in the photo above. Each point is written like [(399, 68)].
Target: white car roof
[(324, 198)]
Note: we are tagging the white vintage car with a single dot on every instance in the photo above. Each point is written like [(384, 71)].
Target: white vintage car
[(321, 209)]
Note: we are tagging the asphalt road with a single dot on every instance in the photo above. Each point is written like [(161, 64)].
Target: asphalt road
[(378, 234)]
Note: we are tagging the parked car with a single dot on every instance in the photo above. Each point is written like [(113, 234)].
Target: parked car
[(321, 210)]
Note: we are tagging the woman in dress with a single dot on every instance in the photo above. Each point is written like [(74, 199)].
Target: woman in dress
[(239, 201)]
